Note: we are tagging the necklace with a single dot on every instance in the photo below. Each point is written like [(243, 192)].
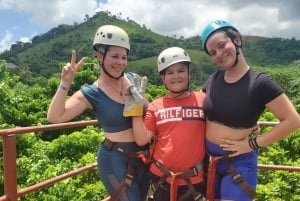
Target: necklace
[(119, 92)]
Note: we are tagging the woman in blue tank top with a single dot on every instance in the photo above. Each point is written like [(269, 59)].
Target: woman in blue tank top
[(117, 156), (235, 98)]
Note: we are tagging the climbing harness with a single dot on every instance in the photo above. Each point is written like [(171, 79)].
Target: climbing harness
[(186, 175), (236, 176), (127, 181)]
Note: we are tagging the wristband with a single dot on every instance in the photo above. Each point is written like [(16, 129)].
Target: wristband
[(64, 88), (253, 143)]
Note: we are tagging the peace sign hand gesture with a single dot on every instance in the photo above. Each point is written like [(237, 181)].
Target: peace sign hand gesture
[(69, 70)]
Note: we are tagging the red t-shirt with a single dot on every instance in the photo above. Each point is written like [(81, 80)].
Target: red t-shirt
[(179, 125)]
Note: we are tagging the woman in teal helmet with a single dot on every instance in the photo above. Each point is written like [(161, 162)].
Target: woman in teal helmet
[(236, 96), (230, 30)]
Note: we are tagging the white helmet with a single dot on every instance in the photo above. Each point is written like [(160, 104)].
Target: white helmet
[(111, 35), (171, 56)]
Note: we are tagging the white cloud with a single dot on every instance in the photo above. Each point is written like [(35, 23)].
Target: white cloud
[(270, 18), (6, 41), (188, 18), (25, 39), (55, 12)]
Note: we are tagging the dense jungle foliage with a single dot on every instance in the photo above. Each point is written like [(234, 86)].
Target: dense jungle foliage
[(26, 91)]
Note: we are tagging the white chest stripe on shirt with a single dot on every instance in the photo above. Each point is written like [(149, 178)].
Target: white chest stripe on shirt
[(179, 114)]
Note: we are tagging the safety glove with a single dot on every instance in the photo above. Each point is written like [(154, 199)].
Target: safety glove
[(135, 97)]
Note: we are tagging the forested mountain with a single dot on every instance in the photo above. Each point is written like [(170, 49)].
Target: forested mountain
[(43, 55), (46, 51)]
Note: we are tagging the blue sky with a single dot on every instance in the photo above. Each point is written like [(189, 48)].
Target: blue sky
[(21, 20), (19, 24)]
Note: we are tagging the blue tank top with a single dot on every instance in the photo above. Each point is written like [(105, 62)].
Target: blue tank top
[(108, 112)]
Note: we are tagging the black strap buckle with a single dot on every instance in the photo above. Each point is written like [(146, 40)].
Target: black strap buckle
[(109, 144), (128, 179), (237, 178)]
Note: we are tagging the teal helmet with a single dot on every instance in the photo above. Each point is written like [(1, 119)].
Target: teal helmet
[(211, 28)]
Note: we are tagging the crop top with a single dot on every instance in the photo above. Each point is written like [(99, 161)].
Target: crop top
[(108, 112), (239, 104)]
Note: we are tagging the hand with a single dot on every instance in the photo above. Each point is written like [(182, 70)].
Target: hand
[(69, 71), (255, 130), (134, 97), (236, 147)]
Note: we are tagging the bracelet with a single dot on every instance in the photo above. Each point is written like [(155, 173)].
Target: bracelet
[(253, 143), (64, 88)]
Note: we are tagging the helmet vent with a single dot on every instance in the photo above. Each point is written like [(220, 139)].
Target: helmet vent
[(111, 35), (171, 56), (219, 22)]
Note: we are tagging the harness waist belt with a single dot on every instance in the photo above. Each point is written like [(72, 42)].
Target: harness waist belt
[(236, 176), (186, 175), (127, 180), (110, 145)]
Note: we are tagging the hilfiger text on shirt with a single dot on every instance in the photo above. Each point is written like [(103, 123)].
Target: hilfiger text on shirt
[(179, 114)]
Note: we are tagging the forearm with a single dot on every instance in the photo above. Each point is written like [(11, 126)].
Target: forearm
[(281, 130), (61, 110), (289, 121), (141, 135), (57, 105)]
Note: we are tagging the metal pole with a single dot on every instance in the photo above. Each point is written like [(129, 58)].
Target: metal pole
[(10, 167)]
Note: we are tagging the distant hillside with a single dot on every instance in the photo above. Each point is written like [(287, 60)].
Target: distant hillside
[(46, 51), (44, 54)]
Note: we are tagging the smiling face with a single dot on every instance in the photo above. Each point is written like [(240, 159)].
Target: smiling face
[(115, 61), (176, 77), (221, 49)]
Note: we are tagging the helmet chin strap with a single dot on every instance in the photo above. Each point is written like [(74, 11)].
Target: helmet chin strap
[(104, 69), (237, 53), (107, 73)]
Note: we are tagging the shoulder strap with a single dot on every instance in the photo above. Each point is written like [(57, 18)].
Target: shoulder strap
[(147, 158)]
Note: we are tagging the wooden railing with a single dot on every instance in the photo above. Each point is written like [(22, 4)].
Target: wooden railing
[(11, 193)]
